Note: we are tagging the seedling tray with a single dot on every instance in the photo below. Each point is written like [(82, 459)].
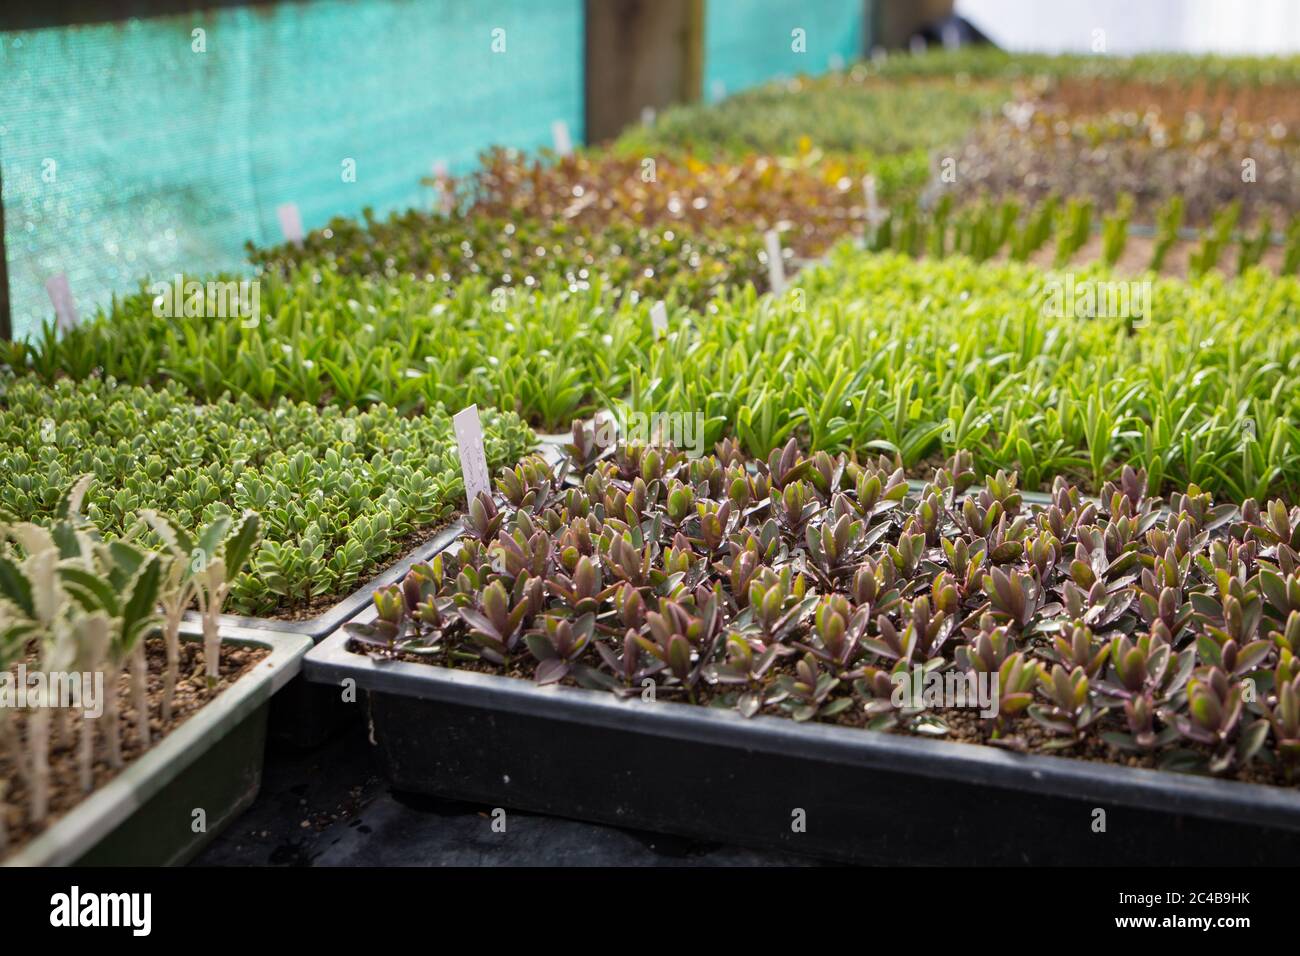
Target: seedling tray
[(865, 797), (330, 620), (553, 445), (304, 716), (145, 815)]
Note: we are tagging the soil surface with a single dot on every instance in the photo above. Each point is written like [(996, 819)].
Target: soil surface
[(192, 693)]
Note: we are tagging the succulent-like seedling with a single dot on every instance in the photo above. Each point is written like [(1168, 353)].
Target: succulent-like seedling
[(715, 524), (906, 554), (797, 585), (1014, 597), (833, 548), (583, 593), (807, 693), (1142, 735), (786, 466), (1068, 709), (496, 625), (584, 449), (795, 507), (1284, 716), (1079, 648), (1214, 711), (746, 666), (924, 635), (876, 490), (1128, 495), (482, 519), (1278, 526), (1147, 667), (887, 698), (386, 633), (558, 645), (528, 485), (778, 604), (837, 631), (1017, 678), (682, 639)]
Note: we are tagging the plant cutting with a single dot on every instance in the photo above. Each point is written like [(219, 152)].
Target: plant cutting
[(839, 360), (983, 230), (514, 251), (882, 357), (81, 610), (798, 586), (1051, 141), (330, 339), (814, 199), (850, 112), (340, 492), (199, 572), (1168, 221)]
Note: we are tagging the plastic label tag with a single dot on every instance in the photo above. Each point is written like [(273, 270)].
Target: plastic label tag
[(560, 133), (659, 319), (290, 222), (775, 264), (473, 459), (443, 188), (65, 310)]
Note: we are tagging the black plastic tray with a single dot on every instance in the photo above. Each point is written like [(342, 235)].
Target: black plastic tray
[(303, 715), (866, 797)]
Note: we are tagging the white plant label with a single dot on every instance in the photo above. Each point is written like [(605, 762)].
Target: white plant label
[(775, 264), (290, 222), (560, 133), (875, 215), (659, 319), (647, 116), (443, 188), (473, 459), (65, 309)]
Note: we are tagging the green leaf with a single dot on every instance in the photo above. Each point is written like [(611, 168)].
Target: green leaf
[(70, 504), (15, 586), (239, 546), (140, 603), (101, 594)]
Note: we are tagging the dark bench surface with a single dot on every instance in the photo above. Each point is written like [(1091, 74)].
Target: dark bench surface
[(331, 807)]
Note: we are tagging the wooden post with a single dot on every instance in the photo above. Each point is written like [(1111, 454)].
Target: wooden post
[(870, 26), (693, 38), (640, 54), (6, 320), (897, 20)]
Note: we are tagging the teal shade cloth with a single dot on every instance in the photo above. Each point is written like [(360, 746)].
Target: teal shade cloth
[(142, 148), (748, 42)]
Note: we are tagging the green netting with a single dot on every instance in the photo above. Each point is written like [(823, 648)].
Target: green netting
[(126, 153), (747, 42)]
